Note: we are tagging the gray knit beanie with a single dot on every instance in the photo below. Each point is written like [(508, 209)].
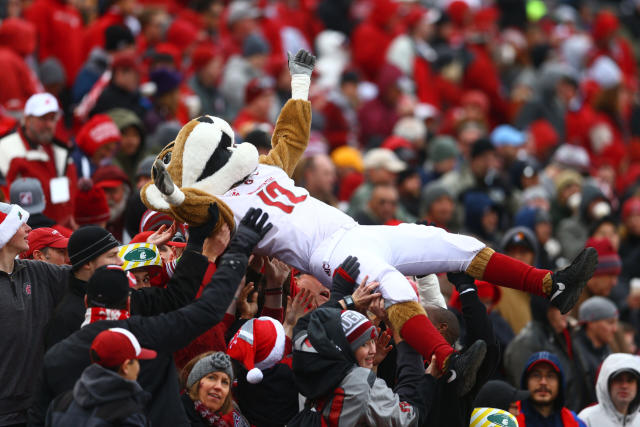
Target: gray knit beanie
[(216, 362)]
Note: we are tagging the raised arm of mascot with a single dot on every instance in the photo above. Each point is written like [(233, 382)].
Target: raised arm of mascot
[(203, 161)]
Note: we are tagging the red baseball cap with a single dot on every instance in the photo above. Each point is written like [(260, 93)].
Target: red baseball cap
[(45, 237), (112, 347)]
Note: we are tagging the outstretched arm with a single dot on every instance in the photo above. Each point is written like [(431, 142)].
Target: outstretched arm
[(291, 133)]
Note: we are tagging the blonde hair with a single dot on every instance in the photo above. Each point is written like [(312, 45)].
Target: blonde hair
[(192, 391)]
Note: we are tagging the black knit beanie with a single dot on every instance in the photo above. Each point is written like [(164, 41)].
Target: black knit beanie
[(88, 243)]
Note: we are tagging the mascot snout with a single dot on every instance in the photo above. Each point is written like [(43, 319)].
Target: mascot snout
[(170, 192)]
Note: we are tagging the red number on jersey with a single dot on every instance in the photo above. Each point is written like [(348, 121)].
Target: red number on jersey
[(271, 192)]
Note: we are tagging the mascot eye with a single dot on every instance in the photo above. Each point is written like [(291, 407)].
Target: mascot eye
[(166, 159)]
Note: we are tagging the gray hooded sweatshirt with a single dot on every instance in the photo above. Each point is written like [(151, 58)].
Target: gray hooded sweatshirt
[(604, 414)]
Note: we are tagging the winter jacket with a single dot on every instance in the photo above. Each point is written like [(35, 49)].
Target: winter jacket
[(211, 100), (27, 299), (59, 27), (588, 360), (605, 414), (447, 407), (273, 401), (235, 78), (20, 157), (115, 97), (561, 416), (100, 390), (180, 291), (326, 373), (18, 84), (164, 333), (538, 335)]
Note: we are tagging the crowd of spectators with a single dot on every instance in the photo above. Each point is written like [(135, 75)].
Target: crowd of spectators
[(514, 122)]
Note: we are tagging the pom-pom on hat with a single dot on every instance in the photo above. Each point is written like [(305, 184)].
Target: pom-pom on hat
[(11, 219), (258, 345)]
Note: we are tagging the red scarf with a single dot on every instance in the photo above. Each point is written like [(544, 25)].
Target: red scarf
[(232, 419), (95, 314)]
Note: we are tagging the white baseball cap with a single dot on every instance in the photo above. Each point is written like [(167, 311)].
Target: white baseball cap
[(383, 158), (40, 104)]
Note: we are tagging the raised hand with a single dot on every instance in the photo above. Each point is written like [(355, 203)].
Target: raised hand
[(363, 295), (345, 276), (302, 63), (198, 234), (163, 234), (252, 228), (382, 346), (247, 304)]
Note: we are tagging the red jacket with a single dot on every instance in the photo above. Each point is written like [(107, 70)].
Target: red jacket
[(59, 28), (43, 163), (94, 34), (17, 79)]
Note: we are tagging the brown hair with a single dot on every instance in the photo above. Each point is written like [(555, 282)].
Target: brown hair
[(227, 405)]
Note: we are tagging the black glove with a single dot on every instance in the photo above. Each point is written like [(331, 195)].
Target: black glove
[(197, 235), (462, 281), (344, 277), (250, 231)]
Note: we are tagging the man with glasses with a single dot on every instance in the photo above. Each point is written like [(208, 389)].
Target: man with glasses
[(544, 379), (34, 151)]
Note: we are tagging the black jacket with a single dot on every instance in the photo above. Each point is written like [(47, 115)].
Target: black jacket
[(27, 299), (588, 360), (164, 333), (69, 314), (100, 393), (447, 408)]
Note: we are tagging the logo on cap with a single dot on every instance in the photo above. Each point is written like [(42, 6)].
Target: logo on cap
[(26, 198), (140, 254)]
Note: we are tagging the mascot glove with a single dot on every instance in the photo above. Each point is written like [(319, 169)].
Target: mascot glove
[(252, 228), (302, 63), (301, 67), (197, 235), (344, 277), (462, 281)]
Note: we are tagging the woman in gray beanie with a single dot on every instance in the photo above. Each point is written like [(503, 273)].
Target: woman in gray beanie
[(207, 400)]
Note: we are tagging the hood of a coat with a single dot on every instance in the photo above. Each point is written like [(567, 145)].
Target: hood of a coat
[(322, 356), (611, 366), (545, 356), (98, 386)]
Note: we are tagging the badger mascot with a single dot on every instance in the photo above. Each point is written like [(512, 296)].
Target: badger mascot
[(204, 166)]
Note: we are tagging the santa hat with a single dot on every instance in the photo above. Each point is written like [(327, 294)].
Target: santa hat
[(11, 219), (258, 345)]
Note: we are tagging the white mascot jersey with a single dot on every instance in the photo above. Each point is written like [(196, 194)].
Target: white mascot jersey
[(300, 222)]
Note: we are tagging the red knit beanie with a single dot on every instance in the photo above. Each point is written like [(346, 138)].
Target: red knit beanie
[(608, 259), (631, 207), (98, 131), (91, 204)]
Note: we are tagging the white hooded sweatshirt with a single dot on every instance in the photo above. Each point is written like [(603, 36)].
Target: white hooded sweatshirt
[(604, 414)]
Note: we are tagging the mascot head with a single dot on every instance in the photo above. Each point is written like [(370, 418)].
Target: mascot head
[(201, 163)]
